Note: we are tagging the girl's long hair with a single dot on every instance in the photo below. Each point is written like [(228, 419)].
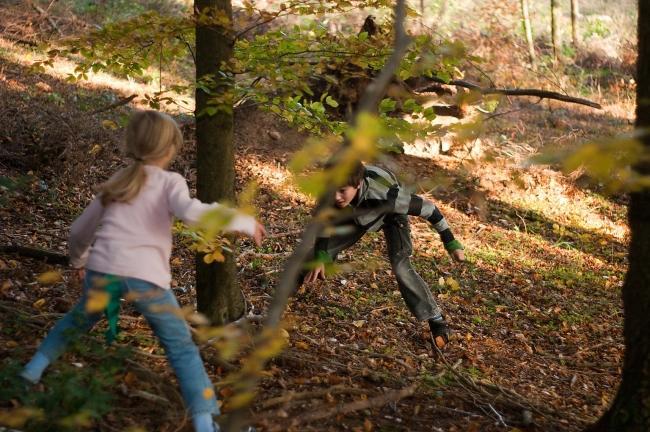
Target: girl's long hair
[(150, 136)]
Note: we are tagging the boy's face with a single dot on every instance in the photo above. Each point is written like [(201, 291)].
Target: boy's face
[(345, 195)]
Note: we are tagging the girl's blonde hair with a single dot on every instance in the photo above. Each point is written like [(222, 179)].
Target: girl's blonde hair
[(150, 136)]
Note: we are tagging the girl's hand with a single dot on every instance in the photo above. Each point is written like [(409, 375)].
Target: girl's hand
[(458, 255), (260, 234), (81, 274)]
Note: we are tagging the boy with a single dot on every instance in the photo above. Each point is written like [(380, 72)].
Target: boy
[(377, 200)]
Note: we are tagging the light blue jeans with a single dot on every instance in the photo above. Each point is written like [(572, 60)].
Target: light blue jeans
[(157, 305)]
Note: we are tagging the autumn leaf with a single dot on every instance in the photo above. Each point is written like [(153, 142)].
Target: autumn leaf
[(49, 278), (208, 393), (452, 284), (16, 418), (97, 301), (301, 345)]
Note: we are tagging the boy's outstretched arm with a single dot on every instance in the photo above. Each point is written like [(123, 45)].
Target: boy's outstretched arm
[(415, 205)]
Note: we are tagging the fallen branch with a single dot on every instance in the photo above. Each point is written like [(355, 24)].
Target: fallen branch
[(149, 397), (114, 105), (293, 396), (378, 401), (542, 94), (37, 253)]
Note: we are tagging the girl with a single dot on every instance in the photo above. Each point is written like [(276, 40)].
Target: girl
[(123, 241)]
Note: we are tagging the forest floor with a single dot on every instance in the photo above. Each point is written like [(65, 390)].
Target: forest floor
[(535, 310)]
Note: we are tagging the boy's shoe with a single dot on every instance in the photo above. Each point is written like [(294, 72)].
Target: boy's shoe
[(439, 331)]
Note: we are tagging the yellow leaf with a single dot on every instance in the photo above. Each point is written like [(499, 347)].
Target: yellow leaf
[(453, 284), (208, 258), (109, 124), (16, 418), (240, 400), (130, 379), (97, 301), (218, 256), (301, 345), (11, 344), (208, 393), (95, 149), (82, 418), (358, 323), (49, 278), (6, 285), (367, 425), (39, 303)]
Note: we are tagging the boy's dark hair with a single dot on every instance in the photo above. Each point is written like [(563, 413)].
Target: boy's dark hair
[(356, 175)]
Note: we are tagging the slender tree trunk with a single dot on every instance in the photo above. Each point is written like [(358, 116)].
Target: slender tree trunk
[(218, 295), (575, 16), (630, 411), (528, 30), (555, 28)]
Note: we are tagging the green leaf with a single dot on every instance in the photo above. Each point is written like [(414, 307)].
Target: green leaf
[(387, 105), (331, 102)]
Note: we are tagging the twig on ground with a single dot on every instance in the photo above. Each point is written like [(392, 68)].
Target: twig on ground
[(378, 401), (293, 396), (47, 16)]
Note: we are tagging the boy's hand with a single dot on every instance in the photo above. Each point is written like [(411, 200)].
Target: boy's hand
[(315, 274), (458, 255), (81, 274), (260, 234)]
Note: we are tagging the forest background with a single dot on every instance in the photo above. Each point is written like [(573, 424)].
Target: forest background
[(536, 310)]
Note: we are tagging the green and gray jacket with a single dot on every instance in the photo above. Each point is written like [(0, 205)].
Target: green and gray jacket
[(381, 195)]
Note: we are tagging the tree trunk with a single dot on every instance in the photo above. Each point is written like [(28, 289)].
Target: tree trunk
[(528, 30), (555, 28), (575, 16), (218, 295), (630, 411)]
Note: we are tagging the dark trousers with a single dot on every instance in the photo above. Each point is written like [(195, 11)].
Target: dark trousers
[(414, 289)]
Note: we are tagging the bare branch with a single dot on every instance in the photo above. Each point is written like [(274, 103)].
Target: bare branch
[(358, 405), (542, 94)]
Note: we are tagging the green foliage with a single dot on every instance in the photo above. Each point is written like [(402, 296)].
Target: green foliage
[(609, 162), (127, 48), (303, 74), (72, 397), (596, 27)]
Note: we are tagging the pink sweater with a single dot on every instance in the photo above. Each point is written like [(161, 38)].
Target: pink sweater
[(134, 239)]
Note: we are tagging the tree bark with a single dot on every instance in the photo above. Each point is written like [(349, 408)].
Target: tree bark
[(218, 295), (555, 28), (630, 411), (528, 30), (575, 16)]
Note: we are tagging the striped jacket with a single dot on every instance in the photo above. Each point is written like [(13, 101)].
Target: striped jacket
[(381, 195)]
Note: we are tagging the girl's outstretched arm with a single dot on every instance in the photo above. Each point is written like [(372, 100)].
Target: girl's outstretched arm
[(191, 210)]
